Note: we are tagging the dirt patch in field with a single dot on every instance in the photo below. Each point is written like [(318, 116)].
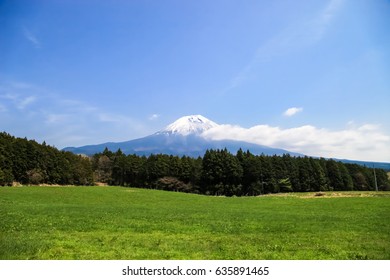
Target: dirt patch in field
[(280, 194), (130, 191), (332, 194), (100, 184), (342, 194)]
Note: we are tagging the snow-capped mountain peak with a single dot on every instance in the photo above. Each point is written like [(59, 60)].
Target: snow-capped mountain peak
[(183, 137), (193, 124)]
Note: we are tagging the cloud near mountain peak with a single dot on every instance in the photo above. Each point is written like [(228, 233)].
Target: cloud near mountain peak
[(366, 142)]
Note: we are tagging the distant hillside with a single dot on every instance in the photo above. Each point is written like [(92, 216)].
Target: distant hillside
[(179, 145), (371, 164)]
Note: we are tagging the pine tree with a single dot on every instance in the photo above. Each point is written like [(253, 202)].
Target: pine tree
[(334, 175), (346, 177), (319, 177)]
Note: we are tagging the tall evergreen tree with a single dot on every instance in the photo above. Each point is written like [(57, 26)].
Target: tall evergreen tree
[(334, 175), (318, 175), (346, 177)]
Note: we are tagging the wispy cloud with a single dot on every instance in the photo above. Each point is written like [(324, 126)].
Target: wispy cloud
[(321, 24), (18, 100), (292, 111), (31, 38), (24, 102), (365, 142), (43, 114), (3, 108), (331, 10), (154, 117), (116, 119), (57, 119), (301, 34), (294, 37)]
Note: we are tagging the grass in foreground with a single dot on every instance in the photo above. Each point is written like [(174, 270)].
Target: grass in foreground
[(124, 223)]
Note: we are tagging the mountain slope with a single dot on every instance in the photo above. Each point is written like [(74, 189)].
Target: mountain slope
[(191, 145), (183, 137), (378, 165)]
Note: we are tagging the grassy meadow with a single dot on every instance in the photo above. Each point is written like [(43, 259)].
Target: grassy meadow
[(127, 223)]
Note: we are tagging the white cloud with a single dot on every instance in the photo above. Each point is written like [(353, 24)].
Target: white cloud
[(117, 120), (3, 108), (154, 117), (295, 36), (365, 142), (53, 118), (19, 100), (31, 38), (321, 24), (59, 120), (9, 96), (23, 102), (331, 10), (305, 33), (292, 111), (104, 117)]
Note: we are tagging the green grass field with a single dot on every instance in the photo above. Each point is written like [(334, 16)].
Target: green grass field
[(126, 223)]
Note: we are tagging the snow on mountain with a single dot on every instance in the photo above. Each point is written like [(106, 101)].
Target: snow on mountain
[(187, 125), (185, 137), (182, 137)]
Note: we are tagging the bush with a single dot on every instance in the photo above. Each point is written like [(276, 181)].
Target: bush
[(172, 184)]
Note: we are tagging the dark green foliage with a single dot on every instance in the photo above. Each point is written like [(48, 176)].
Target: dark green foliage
[(27, 162), (253, 183), (244, 174), (218, 173), (346, 177), (382, 180), (6, 177), (221, 173), (334, 175), (318, 175)]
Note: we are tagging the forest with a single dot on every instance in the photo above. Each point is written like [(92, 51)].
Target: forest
[(218, 172), (27, 162)]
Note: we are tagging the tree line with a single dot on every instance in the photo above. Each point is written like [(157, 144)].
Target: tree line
[(28, 162), (218, 172)]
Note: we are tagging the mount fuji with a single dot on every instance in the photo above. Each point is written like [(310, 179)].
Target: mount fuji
[(182, 137), (187, 125)]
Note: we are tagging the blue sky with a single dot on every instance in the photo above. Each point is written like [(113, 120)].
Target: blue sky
[(309, 76)]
